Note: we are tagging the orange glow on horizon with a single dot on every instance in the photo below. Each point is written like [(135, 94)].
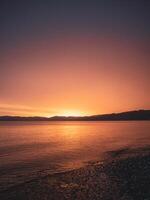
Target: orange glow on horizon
[(74, 76), (73, 58), (67, 113)]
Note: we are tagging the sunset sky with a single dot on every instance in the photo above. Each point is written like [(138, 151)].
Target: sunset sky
[(74, 57)]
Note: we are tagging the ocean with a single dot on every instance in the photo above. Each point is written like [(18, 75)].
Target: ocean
[(29, 150)]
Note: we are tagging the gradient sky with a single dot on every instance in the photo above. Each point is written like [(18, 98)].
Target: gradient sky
[(74, 57)]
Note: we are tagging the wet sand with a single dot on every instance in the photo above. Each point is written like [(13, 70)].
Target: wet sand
[(123, 175)]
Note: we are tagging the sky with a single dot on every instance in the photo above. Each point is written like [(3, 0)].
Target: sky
[(74, 57)]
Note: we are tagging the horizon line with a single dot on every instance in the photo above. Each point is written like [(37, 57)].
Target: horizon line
[(92, 115)]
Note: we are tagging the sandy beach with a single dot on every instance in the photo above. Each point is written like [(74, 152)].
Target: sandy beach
[(123, 175)]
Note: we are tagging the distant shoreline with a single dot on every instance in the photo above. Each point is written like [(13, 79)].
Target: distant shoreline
[(136, 115)]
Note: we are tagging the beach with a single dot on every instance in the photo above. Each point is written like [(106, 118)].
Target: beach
[(74, 100), (124, 174)]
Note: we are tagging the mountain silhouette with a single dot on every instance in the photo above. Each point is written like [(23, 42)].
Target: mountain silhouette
[(129, 115)]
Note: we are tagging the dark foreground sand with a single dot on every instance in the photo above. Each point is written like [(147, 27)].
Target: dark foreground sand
[(124, 175)]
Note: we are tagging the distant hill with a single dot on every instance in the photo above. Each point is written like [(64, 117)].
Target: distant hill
[(130, 115)]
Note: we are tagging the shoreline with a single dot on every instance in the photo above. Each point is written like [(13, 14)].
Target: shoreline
[(123, 175)]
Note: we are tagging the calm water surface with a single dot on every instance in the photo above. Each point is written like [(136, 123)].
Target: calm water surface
[(32, 149)]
